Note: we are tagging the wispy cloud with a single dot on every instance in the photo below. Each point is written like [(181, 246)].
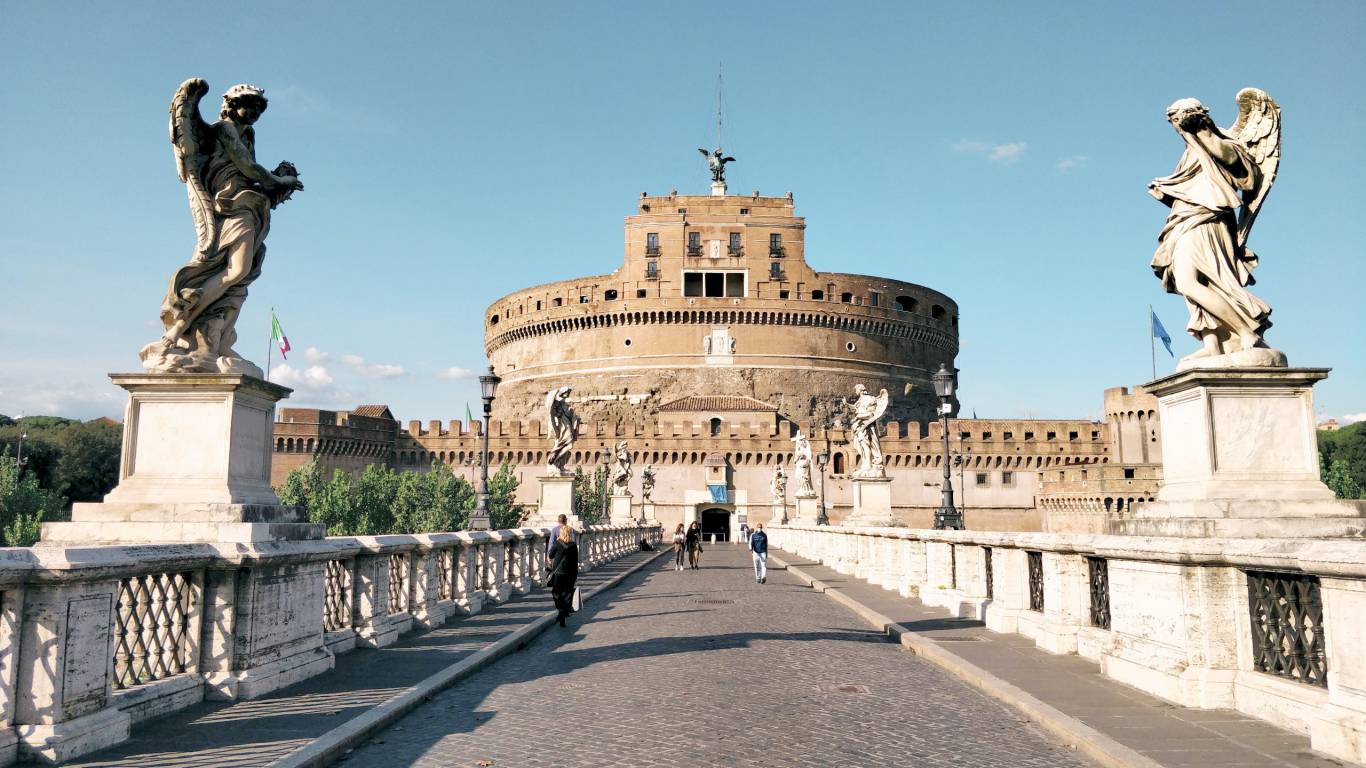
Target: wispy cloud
[(314, 377), (1353, 418), (372, 370), (316, 356), (1069, 164), (1008, 152), (53, 399), (455, 373)]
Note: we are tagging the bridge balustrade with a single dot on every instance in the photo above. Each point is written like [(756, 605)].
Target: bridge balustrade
[(96, 639), (1270, 627)]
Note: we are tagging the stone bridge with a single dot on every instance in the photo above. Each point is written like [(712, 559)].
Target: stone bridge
[(866, 647)]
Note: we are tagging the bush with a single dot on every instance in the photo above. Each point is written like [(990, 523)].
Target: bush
[(24, 504), (381, 500)]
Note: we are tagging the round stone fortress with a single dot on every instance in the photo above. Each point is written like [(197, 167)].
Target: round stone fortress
[(716, 298)]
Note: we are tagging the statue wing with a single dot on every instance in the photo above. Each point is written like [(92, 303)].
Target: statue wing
[(191, 140), (550, 410), (1258, 129), (882, 400), (727, 159), (704, 152)]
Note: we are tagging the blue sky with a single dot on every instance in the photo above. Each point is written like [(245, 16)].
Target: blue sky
[(452, 153)]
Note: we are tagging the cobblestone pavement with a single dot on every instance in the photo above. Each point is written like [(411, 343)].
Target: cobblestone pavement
[(708, 668)]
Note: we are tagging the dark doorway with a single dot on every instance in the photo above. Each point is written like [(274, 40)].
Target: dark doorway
[(715, 525)]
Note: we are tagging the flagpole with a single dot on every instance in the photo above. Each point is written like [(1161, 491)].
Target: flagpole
[(270, 342), (1152, 339)]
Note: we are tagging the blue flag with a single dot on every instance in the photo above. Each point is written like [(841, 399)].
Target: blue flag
[(1161, 333), (719, 493)]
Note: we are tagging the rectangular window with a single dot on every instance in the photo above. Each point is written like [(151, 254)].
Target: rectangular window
[(1008, 479), (715, 283), (692, 283), (694, 243), (583, 299), (1052, 435), (1029, 435), (775, 244), (735, 249), (652, 269), (735, 284), (1071, 435), (783, 294), (983, 479), (874, 299), (640, 293), (986, 435), (775, 270), (1128, 473), (652, 243), (1008, 435)]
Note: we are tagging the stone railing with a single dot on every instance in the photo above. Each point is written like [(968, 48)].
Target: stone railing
[(1275, 628), (95, 639)]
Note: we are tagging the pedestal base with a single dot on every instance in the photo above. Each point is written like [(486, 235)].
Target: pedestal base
[(621, 509), (1240, 459), (872, 502), (778, 515), (557, 498), (120, 523), (808, 510)]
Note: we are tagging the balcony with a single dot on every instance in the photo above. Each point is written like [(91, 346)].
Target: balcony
[(652, 272), (735, 250), (694, 249), (652, 250), (776, 251)]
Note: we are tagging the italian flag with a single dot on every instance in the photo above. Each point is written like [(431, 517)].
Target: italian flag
[(277, 334)]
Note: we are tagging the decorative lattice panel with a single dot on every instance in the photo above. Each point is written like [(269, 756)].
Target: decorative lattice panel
[(1098, 572), (337, 598), (445, 574), (398, 583), (1287, 626), (152, 628), (1035, 580)]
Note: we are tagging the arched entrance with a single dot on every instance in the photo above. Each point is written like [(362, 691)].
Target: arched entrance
[(715, 524)]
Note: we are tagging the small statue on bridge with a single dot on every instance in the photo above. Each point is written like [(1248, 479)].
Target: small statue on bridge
[(621, 470), (562, 425), (778, 486), (231, 197), (863, 430), (1202, 252), (801, 466), (647, 483)]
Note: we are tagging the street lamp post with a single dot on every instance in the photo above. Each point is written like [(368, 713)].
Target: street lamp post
[(822, 459), (946, 517), (488, 387)]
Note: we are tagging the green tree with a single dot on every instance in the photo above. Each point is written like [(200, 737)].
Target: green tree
[(376, 489), (334, 505), (88, 466), (504, 511), (1347, 445), (588, 492), (301, 485), (24, 504), (1339, 478)]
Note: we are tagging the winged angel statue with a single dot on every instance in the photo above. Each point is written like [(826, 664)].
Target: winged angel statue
[(562, 425), (716, 161), (863, 429), (231, 197), (1215, 193)]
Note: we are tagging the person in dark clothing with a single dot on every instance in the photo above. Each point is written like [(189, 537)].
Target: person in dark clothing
[(564, 571), (758, 545), (694, 542)]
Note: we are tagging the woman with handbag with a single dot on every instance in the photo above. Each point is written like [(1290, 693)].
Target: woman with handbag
[(564, 572), (679, 539), (694, 543)]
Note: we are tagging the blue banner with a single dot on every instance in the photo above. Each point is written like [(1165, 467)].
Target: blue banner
[(719, 494)]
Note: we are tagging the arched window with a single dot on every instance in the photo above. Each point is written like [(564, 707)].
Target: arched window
[(493, 320), (905, 304), (839, 464), (610, 295), (937, 312), (715, 427)]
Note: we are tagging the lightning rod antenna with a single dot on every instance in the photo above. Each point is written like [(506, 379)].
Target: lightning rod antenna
[(718, 104)]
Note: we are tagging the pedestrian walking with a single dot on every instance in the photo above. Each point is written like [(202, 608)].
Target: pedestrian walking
[(758, 547), (693, 540), (744, 533), (564, 572), (555, 534), (680, 544)]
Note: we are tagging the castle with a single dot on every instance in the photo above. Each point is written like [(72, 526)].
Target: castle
[(706, 351)]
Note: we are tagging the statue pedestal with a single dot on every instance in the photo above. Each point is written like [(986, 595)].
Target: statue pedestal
[(647, 514), (1240, 459), (195, 467), (718, 189), (557, 498), (872, 502), (619, 513), (808, 510), (779, 513)]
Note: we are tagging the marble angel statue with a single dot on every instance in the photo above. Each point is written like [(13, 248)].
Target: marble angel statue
[(863, 430), (778, 485), (1215, 194), (231, 197), (561, 425), (801, 466), (647, 483), (621, 469)]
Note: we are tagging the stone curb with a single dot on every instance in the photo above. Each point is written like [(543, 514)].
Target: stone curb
[(332, 745), (1070, 731)]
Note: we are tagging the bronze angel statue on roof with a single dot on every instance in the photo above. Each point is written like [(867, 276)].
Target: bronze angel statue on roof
[(716, 161), (231, 197), (1215, 194)]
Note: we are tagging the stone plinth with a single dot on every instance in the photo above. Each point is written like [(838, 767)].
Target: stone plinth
[(872, 502), (557, 498), (647, 514), (195, 467), (1240, 459), (779, 514), (620, 509), (808, 510)]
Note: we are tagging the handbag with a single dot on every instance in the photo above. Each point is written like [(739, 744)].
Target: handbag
[(577, 601)]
